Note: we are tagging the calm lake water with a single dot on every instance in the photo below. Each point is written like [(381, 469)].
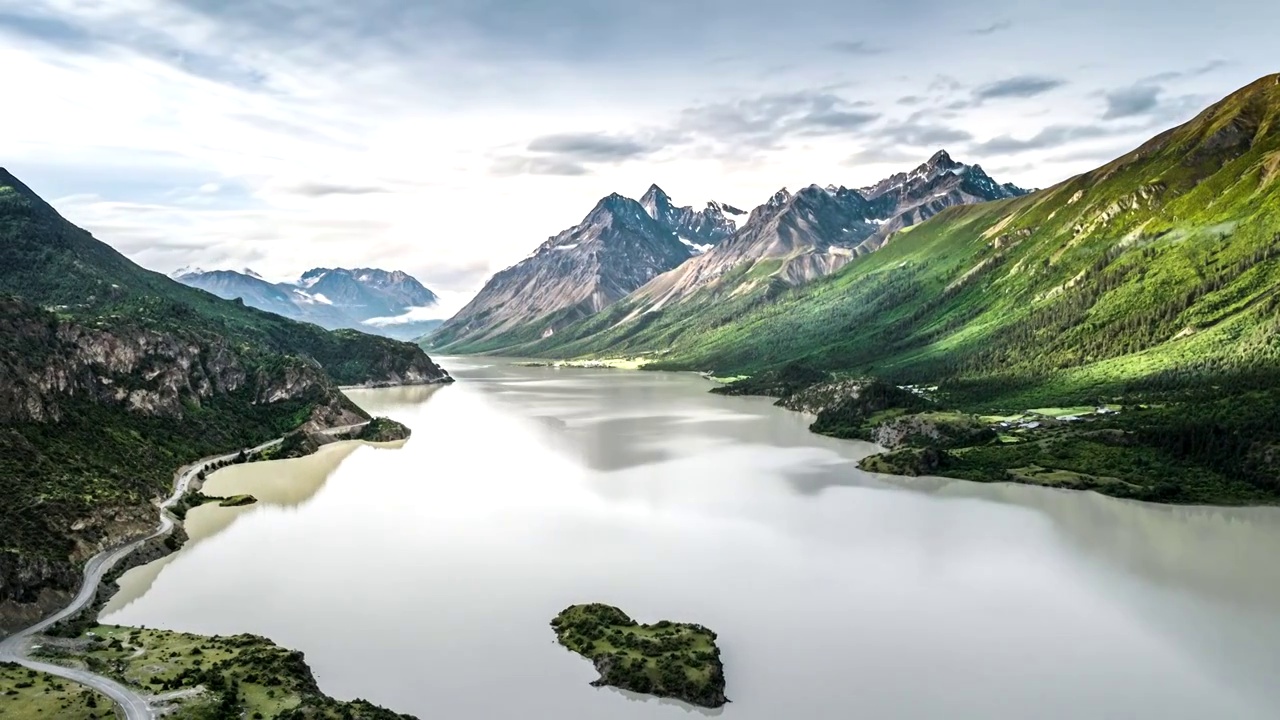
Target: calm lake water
[(424, 577)]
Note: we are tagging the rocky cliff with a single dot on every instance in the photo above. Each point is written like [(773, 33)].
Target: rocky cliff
[(94, 419)]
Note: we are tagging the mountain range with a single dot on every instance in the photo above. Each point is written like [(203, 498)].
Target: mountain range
[(654, 253), (367, 299), (1147, 287)]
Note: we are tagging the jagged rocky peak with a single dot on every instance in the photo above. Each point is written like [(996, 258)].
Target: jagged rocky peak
[(656, 202), (725, 208), (699, 230), (942, 160)]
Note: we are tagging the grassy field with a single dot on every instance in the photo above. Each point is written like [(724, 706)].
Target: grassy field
[(29, 694), (224, 677)]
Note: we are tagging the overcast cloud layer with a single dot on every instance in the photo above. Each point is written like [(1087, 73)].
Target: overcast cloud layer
[(449, 138)]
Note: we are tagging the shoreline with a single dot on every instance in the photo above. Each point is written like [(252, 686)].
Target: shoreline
[(640, 366), (102, 571)]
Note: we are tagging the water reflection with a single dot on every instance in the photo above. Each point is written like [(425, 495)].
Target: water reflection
[(283, 483), (424, 579), (666, 702)]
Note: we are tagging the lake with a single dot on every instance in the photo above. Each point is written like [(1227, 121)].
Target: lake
[(423, 577)]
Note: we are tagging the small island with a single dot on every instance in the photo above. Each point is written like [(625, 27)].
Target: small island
[(666, 659)]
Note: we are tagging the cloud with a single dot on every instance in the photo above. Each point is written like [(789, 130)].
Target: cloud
[(320, 189), (857, 47), (729, 129), (526, 165), (1020, 86), (412, 315), (1050, 137), (923, 134), (591, 147), (573, 154), (1191, 72), (881, 155), (765, 121), (993, 28), (1131, 101), (44, 28)]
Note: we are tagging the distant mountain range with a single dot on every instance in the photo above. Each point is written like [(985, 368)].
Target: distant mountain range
[(662, 253), (376, 301)]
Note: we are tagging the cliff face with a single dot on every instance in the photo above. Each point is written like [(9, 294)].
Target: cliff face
[(51, 364), (94, 419)]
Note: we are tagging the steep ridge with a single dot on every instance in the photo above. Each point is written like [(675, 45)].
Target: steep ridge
[(617, 248), (1150, 282), (790, 240), (112, 376), (908, 199), (699, 229), (794, 239)]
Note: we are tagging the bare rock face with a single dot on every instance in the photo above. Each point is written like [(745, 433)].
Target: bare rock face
[(795, 238), (616, 248), (142, 371)]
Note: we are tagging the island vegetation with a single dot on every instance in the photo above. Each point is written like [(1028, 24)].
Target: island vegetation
[(666, 659)]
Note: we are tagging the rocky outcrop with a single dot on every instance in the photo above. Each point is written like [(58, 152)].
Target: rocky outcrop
[(818, 398), (56, 364), (382, 430), (933, 429)]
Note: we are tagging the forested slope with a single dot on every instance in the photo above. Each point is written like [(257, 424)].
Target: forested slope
[(1154, 279)]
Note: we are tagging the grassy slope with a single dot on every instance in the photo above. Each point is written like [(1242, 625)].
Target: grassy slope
[(1154, 277), (28, 694), (242, 676)]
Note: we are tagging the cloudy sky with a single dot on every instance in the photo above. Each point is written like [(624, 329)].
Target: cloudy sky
[(448, 138)]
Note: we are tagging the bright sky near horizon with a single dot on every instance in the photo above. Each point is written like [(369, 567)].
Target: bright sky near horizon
[(450, 138)]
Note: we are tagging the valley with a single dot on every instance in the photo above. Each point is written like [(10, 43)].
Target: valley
[(944, 383), (1146, 283)]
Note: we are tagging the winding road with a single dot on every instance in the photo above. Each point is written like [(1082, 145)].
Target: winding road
[(135, 706)]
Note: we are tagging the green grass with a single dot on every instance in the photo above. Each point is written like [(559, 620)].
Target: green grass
[(237, 501), (1055, 412), (241, 676), (29, 694), (666, 659)]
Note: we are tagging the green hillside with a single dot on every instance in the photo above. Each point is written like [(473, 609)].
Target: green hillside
[(112, 376), (48, 261), (1153, 279)]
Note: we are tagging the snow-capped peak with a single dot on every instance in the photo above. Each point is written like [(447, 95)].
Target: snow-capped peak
[(187, 270)]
